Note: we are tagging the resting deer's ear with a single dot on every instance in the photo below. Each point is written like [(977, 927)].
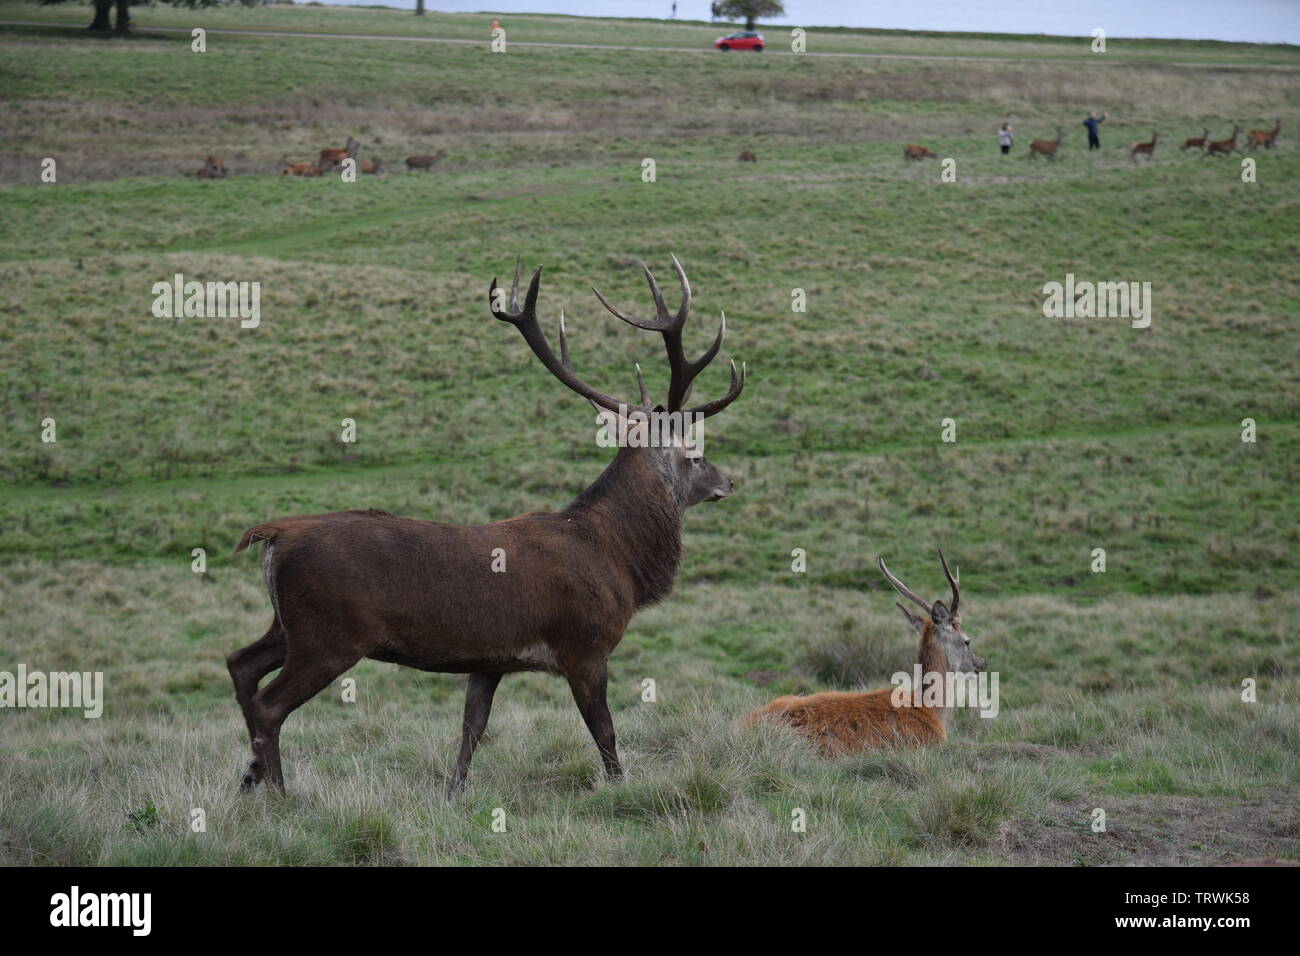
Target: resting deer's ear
[(912, 619), (939, 613)]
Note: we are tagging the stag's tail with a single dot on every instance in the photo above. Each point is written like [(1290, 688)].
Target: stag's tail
[(258, 532)]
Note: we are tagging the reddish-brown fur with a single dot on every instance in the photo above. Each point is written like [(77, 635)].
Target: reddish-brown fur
[(1222, 147), (747, 157), (838, 723), (371, 167), (912, 151), (1263, 137), (329, 158), (1046, 147), (424, 161), (213, 168), (1196, 142), (1144, 149)]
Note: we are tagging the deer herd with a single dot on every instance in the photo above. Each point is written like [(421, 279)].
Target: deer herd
[(330, 158), (1050, 148)]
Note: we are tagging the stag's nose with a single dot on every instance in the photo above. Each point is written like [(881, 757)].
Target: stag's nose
[(724, 490), (980, 664)]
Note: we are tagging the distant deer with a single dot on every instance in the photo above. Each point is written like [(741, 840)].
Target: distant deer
[(1263, 137), (213, 168), (1144, 149), (329, 158), (746, 157), (1046, 147), (1222, 147), (918, 153), (371, 167), (424, 161), (368, 584), (287, 168), (1196, 142), (840, 723)]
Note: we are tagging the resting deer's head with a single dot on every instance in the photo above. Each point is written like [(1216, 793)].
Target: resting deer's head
[(941, 626), (659, 438)]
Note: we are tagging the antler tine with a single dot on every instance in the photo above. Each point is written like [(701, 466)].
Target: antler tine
[(664, 321), (954, 582), (640, 382), (525, 320), (899, 586), (733, 392)]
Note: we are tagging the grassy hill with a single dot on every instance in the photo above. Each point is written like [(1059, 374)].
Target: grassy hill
[(1119, 690)]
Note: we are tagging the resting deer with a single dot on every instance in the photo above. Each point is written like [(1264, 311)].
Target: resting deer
[(1046, 147), (1222, 147), (840, 723), (1263, 137), (371, 167), (424, 160), (287, 168), (746, 157), (329, 158), (213, 168), (1144, 149), (368, 584), (1196, 142), (918, 153)]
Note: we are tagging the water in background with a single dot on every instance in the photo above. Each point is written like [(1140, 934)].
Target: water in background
[(1258, 21)]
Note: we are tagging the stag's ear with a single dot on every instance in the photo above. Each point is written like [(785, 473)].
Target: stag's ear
[(912, 619), (939, 613)]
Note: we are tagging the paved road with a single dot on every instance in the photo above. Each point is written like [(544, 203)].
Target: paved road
[(655, 49)]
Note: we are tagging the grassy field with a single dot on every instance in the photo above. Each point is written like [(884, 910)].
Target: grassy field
[(1119, 690)]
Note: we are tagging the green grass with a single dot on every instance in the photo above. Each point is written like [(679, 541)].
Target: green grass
[(1119, 690)]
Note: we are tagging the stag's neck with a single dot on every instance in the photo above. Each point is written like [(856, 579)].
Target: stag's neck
[(934, 661), (632, 513)]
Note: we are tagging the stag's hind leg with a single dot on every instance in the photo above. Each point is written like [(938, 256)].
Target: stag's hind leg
[(247, 667), (299, 681), (478, 706), (589, 686)]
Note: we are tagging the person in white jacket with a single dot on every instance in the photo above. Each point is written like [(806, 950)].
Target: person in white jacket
[(1004, 138)]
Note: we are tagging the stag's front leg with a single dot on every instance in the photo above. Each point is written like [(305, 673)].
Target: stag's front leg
[(588, 686), (478, 706)]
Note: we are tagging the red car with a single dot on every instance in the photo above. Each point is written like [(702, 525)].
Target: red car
[(743, 40)]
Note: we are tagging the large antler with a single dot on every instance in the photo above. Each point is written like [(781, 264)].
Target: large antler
[(683, 371), (900, 587), (525, 320), (954, 582)]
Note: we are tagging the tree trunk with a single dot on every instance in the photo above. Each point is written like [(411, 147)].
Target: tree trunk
[(419, 8), (102, 10), (123, 16), (749, 22)]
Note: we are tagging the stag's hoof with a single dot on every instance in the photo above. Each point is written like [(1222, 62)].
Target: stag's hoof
[(252, 777)]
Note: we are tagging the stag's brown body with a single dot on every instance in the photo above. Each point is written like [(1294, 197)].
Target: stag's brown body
[(539, 592), (1196, 142), (329, 158), (746, 157), (1046, 147), (912, 151), (1263, 137), (1145, 149), (213, 168), (1222, 147), (838, 723), (424, 161)]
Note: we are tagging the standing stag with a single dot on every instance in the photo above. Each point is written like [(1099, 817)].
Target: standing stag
[(1263, 137), (918, 153), (1144, 149), (1047, 147), (424, 161), (839, 723), (1222, 147), (1196, 142), (357, 584), (746, 157), (329, 158)]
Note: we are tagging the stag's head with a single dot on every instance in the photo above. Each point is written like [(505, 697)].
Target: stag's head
[(941, 624), (659, 434)]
